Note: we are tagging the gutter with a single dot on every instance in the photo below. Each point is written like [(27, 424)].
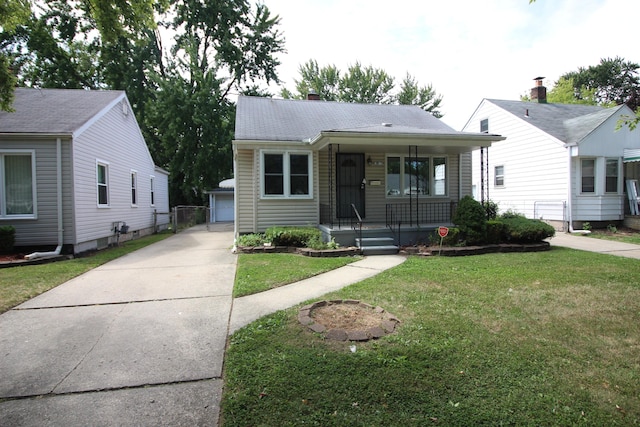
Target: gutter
[(59, 200)]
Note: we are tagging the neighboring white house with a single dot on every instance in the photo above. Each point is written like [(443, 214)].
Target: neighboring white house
[(312, 162), (74, 169), (559, 162)]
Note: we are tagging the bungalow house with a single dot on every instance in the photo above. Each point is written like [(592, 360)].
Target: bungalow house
[(564, 163), (75, 172), (353, 170)]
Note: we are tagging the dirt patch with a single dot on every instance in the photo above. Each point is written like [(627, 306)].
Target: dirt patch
[(350, 320), (349, 317)]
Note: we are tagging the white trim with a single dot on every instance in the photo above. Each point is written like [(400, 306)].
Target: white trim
[(286, 174), (34, 192), (98, 116), (495, 176)]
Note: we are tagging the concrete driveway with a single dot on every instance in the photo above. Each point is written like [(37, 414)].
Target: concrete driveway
[(139, 340)]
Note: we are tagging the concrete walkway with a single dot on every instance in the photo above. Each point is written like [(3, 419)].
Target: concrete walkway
[(584, 243), (137, 341)]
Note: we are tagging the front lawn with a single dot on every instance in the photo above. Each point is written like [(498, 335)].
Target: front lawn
[(261, 272), (546, 338)]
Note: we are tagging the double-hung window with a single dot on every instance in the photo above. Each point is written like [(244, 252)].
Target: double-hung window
[(286, 174), (17, 184), (153, 191), (424, 176), (102, 179), (134, 188), (611, 183), (588, 174), (498, 179)]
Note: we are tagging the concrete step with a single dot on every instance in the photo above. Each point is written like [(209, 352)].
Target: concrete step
[(374, 241), (379, 250)]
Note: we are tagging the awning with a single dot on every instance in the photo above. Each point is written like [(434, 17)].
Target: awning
[(631, 155)]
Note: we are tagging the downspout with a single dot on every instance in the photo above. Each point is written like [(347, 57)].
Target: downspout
[(59, 200)]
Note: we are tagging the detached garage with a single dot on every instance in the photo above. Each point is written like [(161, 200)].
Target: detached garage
[(221, 202)]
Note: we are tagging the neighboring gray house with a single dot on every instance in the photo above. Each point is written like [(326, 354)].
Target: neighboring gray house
[(311, 162), (564, 163), (74, 168)]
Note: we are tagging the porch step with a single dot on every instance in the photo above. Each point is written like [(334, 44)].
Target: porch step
[(377, 246)]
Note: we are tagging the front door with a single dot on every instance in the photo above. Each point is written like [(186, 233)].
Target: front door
[(350, 184)]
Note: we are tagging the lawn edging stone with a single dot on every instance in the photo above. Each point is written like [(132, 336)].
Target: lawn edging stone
[(477, 250)]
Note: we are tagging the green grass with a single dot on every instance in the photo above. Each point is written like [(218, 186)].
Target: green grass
[(548, 338), (261, 272), (628, 236), (19, 284)]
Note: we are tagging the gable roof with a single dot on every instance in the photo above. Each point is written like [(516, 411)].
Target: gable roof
[(269, 119), (55, 111), (562, 121)]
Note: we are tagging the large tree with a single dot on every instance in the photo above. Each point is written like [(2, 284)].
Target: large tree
[(361, 84), (221, 49), (12, 14), (612, 81)]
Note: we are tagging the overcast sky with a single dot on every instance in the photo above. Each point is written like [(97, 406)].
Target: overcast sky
[(467, 49)]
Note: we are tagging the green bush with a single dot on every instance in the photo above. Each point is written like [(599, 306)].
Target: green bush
[(298, 237), (496, 231), (491, 208), (7, 238), (254, 239), (524, 230), (470, 218)]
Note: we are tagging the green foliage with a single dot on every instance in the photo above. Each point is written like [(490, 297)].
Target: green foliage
[(252, 240), (586, 225), (491, 208), (613, 81), (299, 237), (363, 85), (523, 230), (612, 228), (565, 92), (7, 238), (470, 217), (453, 238), (496, 231)]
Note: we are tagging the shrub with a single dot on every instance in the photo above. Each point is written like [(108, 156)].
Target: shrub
[(7, 238), (496, 231), (452, 238), (470, 217), (298, 237), (251, 240), (523, 230), (491, 208)]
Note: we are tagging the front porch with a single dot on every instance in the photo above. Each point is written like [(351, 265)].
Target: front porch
[(406, 223)]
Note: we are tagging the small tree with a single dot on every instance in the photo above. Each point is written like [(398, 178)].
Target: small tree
[(7, 238), (471, 218)]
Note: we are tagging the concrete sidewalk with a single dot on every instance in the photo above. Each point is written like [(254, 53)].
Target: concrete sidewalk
[(137, 341), (584, 243)]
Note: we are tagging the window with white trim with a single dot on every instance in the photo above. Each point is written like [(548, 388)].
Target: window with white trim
[(286, 174), (423, 175), (484, 126), (17, 184), (588, 175), (498, 179), (153, 191), (102, 179), (134, 188), (611, 182)]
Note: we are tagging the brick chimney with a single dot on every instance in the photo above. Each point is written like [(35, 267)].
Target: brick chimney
[(539, 92), (313, 96)]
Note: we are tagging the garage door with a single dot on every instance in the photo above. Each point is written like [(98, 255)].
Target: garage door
[(223, 208)]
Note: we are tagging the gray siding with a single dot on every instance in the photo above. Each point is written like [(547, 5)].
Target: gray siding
[(245, 191), (44, 229), (115, 139)]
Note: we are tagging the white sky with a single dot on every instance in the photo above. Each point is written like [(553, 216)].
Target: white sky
[(467, 49)]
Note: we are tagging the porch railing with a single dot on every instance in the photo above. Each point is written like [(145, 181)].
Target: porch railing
[(420, 213), (356, 223)]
